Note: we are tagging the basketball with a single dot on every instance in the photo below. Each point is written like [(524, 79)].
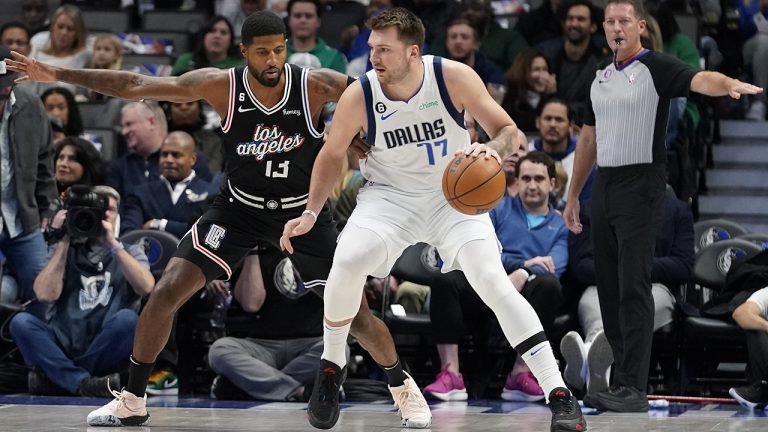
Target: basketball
[(472, 185)]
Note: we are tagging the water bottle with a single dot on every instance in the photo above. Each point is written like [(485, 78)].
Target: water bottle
[(219, 312)]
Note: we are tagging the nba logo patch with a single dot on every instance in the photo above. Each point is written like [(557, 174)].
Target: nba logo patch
[(215, 236)]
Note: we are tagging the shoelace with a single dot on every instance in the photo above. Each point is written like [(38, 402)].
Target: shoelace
[(119, 397), (326, 386), (562, 404), (409, 400)]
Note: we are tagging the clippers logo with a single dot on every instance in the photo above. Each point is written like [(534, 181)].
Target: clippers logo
[(269, 140), (214, 237)]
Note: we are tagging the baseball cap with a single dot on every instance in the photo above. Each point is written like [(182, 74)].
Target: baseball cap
[(6, 76)]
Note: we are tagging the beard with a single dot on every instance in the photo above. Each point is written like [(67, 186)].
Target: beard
[(268, 82), (577, 37)]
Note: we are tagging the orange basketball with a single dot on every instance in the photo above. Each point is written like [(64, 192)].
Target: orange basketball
[(474, 185)]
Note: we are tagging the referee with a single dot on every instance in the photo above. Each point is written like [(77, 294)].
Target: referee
[(623, 132)]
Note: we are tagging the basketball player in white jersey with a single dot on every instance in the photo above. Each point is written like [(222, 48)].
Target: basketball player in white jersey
[(411, 108)]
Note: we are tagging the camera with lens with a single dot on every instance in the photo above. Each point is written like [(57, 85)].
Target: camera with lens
[(85, 211)]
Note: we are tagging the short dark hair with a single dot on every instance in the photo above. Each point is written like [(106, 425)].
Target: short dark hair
[(262, 23), (318, 7), (637, 5), (18, 25), (409, 27), (566, 7), (538, 157), (464, 21), (555, 100)]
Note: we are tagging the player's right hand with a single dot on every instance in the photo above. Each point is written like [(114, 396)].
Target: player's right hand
[(571, 216), (295, 227), (30, 69)]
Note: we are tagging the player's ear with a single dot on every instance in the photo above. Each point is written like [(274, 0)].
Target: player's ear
[(415, 52)]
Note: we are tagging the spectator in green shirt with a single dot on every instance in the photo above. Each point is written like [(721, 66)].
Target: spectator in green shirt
[(215, 48), (304, 21)]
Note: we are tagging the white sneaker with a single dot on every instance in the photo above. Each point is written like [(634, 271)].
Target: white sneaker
[(599, 360), (756, 111), (126, 409), (414, 410), (575, 354)]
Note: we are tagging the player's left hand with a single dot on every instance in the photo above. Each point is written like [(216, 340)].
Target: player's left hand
[(476, 149), (741, 88), (295, 227), (360, 148)]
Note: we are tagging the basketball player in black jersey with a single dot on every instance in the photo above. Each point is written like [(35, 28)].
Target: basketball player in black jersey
[(271, 123)]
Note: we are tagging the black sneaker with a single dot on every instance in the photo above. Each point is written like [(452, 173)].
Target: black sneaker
[(323, 409), (38, 383), (754, 396), (224, 389), (99, 386), (619, 398), (566, 413)]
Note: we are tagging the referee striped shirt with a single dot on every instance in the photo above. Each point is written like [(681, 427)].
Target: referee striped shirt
[(629, 107)]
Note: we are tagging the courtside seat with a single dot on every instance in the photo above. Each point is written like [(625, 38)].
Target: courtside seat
[(706, 232), (707, 342), (158, 245)]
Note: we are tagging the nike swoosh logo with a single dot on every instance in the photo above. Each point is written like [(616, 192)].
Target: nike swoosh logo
[(533, 353), (602, 82), (240, 109), (384, 117)]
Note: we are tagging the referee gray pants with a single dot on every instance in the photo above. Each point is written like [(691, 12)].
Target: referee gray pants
[(267, 369), (627, 209)]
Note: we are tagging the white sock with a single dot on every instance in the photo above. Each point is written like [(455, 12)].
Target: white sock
[(335, 344), (544, 367)]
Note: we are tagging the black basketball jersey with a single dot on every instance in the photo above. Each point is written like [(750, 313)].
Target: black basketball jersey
[(269, 151)]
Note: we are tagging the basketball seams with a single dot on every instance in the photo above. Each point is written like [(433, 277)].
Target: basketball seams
[(455, 173)]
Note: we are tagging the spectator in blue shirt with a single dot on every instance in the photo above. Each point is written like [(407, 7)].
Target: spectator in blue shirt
[(534, 242)]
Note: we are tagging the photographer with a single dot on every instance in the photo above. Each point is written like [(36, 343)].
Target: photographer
[(86, 280)]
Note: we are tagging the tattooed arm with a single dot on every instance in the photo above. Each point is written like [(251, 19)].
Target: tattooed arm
[(324, 86), (192, 86)]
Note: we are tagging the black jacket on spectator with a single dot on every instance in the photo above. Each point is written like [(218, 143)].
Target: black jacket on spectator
[(153, 201), (132, 170)]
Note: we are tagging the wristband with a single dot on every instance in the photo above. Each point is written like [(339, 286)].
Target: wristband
[(117, 248), (311, 213)]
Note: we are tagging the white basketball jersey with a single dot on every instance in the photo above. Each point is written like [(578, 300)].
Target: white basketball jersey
[(412, 141)]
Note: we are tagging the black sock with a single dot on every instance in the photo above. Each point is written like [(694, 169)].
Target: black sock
[(395, 374), (138, 375)]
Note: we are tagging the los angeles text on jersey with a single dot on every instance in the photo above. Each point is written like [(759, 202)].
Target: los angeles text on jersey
[(415, 133), (269, 139)]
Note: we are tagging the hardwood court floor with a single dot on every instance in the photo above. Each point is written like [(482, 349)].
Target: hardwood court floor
[(34, 414)]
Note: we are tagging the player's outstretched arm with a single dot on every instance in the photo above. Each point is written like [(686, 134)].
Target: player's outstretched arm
[(469, 93), (189, 87)]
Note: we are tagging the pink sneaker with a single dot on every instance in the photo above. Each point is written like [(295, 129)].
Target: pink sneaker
[(448, 387), (522, 387)]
